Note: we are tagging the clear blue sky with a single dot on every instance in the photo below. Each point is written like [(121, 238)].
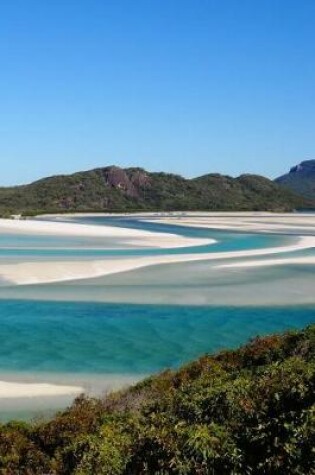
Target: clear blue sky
[(186, 86)]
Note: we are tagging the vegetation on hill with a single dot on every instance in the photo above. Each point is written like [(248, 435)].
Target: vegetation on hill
[(249, 411), (115, 189), (300, 179)]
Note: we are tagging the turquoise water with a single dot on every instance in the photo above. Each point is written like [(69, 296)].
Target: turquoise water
[(226, 240), (49, 247), (73, 337)]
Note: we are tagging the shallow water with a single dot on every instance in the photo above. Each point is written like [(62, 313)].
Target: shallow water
[(77, 337), (26, 247)]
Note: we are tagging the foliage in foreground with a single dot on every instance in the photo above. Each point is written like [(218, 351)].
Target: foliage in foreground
[(250, 411)]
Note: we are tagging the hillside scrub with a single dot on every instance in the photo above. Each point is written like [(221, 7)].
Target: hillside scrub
[(134, 189)]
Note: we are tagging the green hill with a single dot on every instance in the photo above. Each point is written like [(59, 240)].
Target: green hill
[(249, 411), (116, 189)]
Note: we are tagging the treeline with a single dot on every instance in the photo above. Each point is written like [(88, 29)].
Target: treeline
[(249, 411)]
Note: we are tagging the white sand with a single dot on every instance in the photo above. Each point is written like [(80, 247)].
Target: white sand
[(21, 390), (308, 260), (24, 273), (56, 228), (51, 387), (132, 236)]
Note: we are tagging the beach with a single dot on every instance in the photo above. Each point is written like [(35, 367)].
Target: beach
[(21, 390), (27, 396)]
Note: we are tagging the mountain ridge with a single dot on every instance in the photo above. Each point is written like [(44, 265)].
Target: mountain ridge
[(112, 188)]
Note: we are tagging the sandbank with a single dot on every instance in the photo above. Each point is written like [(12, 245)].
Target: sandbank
[(10, 389), (25, 273), (131, 236)]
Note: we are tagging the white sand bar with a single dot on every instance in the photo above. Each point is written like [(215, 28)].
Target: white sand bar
[(28, 390), (24, 273), (133, 236)]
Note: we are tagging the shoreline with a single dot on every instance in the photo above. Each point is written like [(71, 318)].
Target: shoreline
[(174, 213), (19, 385)]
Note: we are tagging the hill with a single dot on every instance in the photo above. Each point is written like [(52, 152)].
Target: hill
[(249, 411), (115, 189), (300, 179)]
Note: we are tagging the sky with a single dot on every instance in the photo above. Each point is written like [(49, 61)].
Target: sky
[(184, 86)]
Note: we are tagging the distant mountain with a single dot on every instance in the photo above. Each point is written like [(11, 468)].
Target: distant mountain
[(116, 189), (300, 179)]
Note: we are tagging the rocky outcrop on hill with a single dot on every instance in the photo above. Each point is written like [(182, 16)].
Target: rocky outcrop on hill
[(300, 179)]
